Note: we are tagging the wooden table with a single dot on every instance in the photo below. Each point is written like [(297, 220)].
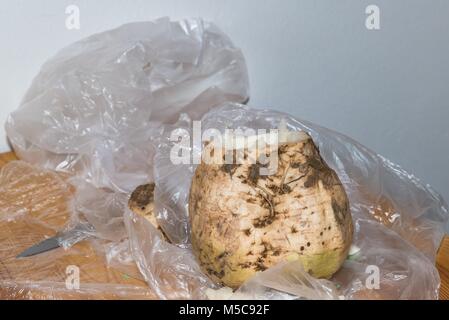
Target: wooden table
[(132, 286)]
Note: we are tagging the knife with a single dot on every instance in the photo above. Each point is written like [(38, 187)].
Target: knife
[(80, 232)]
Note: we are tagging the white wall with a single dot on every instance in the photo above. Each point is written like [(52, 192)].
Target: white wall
[(389, 89)]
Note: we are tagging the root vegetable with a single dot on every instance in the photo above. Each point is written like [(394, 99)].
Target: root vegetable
[(141, 202), (243, 222)]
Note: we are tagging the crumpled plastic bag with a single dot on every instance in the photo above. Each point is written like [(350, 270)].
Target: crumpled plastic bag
[(103, 110), (94, 107), (399, 222)]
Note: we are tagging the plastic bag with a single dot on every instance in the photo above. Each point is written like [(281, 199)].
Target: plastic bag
[(399, 222), (94, 107)]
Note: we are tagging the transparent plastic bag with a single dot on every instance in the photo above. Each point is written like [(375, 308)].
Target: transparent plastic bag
[(399, 222), (94, 107)]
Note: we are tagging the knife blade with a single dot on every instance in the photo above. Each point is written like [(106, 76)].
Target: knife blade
[(79, 233), (43, 246)]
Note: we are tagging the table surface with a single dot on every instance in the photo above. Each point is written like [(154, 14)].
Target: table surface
[(99, 272)]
